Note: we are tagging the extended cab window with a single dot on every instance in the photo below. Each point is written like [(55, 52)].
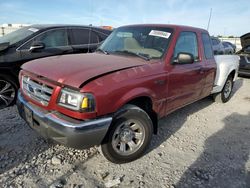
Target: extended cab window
[(80, 36), (187, 43), (208, 51)]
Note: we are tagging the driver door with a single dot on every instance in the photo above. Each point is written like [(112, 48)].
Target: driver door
[(185, 80)]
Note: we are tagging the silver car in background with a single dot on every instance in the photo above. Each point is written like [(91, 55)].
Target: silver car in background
[(217, 45), (228, 49), (231, 44)]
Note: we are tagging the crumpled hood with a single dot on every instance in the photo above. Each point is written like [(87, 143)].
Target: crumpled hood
[(245, 40), (74, 70)]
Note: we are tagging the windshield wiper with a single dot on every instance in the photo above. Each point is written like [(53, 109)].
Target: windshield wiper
[(103, 51), (141, 55)]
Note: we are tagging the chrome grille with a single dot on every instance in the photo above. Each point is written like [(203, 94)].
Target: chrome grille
[(40, 92)]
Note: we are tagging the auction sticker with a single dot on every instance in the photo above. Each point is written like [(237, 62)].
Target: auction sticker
[(162, 34)]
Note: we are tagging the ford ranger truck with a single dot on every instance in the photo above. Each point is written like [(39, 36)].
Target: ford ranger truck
[(115, 96)]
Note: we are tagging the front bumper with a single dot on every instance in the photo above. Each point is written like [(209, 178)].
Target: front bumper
[(63, 129)]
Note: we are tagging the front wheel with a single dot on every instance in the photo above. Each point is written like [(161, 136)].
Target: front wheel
[(129, 136), (225, 94), (8, 91)]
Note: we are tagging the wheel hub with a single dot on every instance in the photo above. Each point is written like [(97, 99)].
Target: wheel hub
[(228, 88), (126, 135)]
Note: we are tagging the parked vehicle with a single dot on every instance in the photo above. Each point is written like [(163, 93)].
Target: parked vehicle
[(227, 48), (232, 45), (39, 41), (244, 54), (217, 45), (114, 97)]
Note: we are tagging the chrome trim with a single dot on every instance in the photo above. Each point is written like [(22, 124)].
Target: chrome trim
[(69, 91), (38, 91), (36, 47), (53, 120)]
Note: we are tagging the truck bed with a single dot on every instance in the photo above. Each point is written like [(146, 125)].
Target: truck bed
[(226, 64)]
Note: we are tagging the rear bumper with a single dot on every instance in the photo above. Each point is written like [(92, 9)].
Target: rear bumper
[(62, 129)]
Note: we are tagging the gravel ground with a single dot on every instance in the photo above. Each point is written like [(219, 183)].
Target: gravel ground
[(202, 145)]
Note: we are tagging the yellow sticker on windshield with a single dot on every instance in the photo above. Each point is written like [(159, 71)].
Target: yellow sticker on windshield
[(162, 34)]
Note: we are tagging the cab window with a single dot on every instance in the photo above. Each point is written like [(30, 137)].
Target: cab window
[(208, 51)]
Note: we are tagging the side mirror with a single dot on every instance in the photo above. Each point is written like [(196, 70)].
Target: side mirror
[(184, 58), (36, 45)]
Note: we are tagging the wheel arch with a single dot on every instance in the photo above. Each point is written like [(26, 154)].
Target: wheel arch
[(233, 74), (142, 98), (8, 73), (146, 103)]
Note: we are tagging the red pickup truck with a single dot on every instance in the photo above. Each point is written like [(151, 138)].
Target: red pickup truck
[(115, 96)]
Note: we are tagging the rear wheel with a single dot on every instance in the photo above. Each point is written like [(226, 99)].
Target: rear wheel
[(8, 91), (129, 135), (225, 94)]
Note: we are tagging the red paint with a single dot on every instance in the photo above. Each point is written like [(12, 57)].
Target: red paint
[(179, 84)]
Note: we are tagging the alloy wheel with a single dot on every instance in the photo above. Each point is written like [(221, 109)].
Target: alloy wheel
[(228, 89), (128, 137), (7, 93)]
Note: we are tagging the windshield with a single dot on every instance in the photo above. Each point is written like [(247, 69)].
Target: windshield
[(148, 41), (18, 35)]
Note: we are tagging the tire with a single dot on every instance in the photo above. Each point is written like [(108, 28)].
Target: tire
[(225, 95), (8, 91), (129, 136)]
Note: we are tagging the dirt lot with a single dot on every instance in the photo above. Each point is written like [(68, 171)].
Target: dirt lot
[(202, 145)]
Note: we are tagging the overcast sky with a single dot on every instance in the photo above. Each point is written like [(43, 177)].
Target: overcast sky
[(231, 17)]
